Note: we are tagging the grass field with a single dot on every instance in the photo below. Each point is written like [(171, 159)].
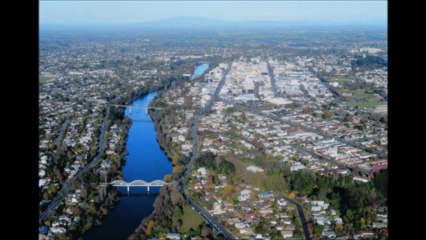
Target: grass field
[(342, 79), (190, 219), (43, 79), (363, 99), (366, 104)]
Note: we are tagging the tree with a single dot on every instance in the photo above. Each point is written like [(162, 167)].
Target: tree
[(58, 174), (261, 227), (317, 231), (226, 167), (206, 231), (151, 224), (380, 183)]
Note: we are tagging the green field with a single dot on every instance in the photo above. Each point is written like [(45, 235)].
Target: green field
[(43, 79), (342, 79), (367, 104), (190, 219), (363, 98)]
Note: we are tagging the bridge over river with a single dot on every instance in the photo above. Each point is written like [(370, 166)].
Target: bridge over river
[(136, 183)]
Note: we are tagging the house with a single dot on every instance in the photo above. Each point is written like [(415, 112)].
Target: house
[(287, 234), (380, 225), (297, 166), (57, 230), (202, 172), (250, 216), (282, 202), (240, 225), (315, 208), (338, 220), (286, 221), (246, 231), (360, 179), (244, 195), (266, 195), (290, 227), (364, 234), (329, 234), (173, 236), (197, 186), (254, 169)]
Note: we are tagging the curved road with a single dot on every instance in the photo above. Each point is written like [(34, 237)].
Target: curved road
[(302, 218)]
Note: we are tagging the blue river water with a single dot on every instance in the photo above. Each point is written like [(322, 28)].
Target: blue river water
[(199, 70), (146, 161)]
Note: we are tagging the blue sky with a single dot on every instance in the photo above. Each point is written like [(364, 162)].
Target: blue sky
[(110, 12)]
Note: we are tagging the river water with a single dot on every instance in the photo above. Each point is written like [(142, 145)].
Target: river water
[(146, 161), (199, 70)]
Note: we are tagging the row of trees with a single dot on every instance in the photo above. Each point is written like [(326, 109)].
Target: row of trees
[(356, 202), (218, 164)]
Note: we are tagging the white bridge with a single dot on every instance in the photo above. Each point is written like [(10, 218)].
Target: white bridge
[(137, 183), (130, 107)]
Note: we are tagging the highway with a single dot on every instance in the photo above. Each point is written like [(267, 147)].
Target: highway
[(67, 184), (199, 210)]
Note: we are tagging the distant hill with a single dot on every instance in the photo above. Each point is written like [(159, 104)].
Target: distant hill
[(192, 23), (197, 22)]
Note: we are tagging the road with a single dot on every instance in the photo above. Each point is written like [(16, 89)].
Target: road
[(195, 151), (67, 184), (272, 76), (61, 132), (302, 218)]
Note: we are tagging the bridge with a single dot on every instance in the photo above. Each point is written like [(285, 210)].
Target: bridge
[(130, 107), (137, 183)]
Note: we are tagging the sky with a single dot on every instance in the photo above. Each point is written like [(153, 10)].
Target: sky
[(122, 12)]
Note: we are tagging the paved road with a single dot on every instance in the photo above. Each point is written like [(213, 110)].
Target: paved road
[(302, 217), (272, 76), (67, 184), (61, 133), (199, 210)]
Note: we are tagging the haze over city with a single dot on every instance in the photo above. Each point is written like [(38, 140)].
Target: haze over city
[(124, 12)]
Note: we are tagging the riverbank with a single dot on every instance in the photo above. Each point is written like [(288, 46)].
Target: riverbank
[(145, 161), (171, 210), (161, 208)]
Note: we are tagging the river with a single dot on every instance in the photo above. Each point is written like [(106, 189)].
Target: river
[(146, 161), (199, 70)]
